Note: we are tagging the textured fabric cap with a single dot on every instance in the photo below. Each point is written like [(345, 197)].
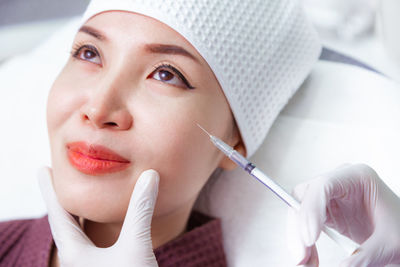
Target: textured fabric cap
[(259, 50)]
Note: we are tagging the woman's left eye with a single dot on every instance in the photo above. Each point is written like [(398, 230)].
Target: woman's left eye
[(170, 75), (88, 53)]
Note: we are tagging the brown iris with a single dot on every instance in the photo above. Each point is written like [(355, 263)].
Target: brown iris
[(166, 75)]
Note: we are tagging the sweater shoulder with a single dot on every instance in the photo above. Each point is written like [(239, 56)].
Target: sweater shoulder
[(11, 232), (26, 242)]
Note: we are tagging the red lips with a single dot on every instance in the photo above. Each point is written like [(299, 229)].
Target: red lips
[(95, 159)]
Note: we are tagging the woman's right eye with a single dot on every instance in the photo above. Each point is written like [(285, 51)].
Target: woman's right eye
[(87, 53)]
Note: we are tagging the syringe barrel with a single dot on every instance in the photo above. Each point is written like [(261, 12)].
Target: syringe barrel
[(239, 159)]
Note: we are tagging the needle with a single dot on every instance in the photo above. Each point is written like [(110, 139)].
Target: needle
[(204, 130)]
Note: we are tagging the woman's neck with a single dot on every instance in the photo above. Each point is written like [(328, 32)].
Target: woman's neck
[(163, 228)]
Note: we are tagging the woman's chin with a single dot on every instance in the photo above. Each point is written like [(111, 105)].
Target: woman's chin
[(96, 199), (97, 211)]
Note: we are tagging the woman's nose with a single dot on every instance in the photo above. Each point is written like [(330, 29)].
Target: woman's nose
[(102, 111)]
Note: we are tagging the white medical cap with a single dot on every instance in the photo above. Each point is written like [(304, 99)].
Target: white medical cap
[(259, 50)]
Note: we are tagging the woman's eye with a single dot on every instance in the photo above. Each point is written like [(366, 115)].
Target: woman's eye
[(88, 53), (170, 75)]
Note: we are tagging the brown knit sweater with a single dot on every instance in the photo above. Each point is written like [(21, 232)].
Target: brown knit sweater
[(29, 243)]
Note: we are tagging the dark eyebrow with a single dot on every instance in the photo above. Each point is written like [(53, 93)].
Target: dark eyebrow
[(93, 32), (153, 48), (169, 49)]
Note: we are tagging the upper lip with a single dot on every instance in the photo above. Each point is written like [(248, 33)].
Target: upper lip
[(96, 151)]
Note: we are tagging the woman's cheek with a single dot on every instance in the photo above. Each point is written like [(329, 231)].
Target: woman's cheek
[(182, 174), (63, 101)]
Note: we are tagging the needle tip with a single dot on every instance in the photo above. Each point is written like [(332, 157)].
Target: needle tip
[(203, 129)]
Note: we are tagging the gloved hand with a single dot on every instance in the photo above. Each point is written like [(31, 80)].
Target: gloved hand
[(134, 245), (353, 200)]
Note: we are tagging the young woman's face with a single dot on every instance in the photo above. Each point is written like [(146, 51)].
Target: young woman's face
[(138, 88)]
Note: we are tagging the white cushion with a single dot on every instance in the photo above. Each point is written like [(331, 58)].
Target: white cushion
[(341, 114)]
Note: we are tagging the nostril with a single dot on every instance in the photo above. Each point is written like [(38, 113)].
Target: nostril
[(110, 123), (117, 120)]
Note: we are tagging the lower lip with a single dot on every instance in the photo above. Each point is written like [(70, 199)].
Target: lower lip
[(92, 166)]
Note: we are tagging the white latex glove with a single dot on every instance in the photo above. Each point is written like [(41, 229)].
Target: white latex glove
[(134, 245), (353, 200)]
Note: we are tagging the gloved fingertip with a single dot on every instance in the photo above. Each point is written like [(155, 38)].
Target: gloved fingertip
[(299, 191), (146, 186), (149, 178), (44, 177), (299, 252), (42, 173), (145, 191), (310, 229), (140, 210), (302, 256), (312, 259), (315, 230)]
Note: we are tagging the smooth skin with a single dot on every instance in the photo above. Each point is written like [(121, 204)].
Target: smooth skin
[(113, 92)]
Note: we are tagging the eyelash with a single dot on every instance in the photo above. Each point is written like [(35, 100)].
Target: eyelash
[(176, 71), (78, 47)]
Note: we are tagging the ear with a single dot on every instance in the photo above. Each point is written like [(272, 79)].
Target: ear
[(226, 163)]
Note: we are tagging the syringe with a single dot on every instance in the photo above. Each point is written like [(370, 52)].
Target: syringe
[(347, 244)]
